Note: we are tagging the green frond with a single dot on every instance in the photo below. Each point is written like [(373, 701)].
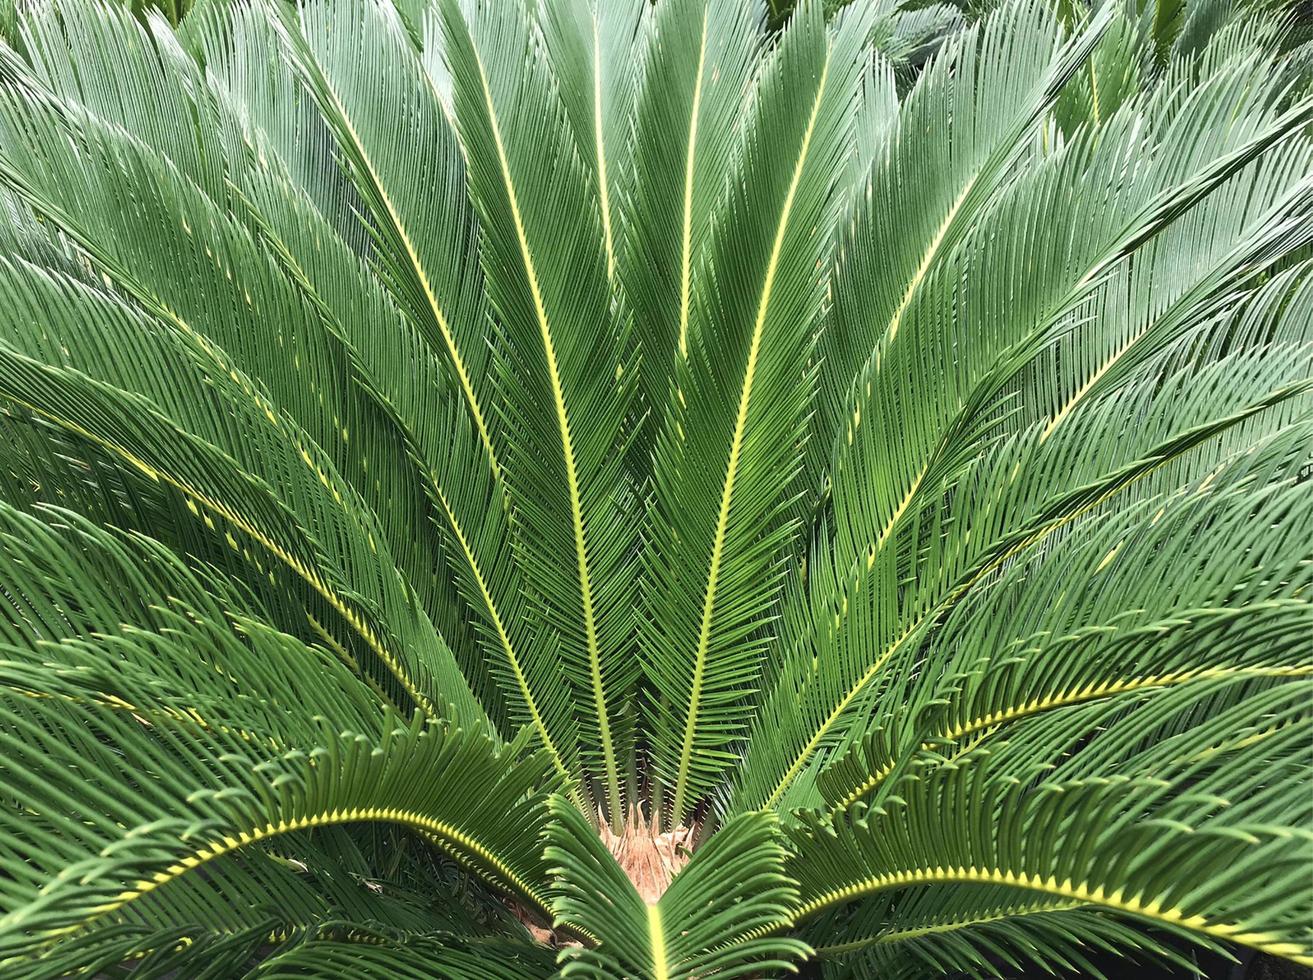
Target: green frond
[(564, 375), (714, 919), (597, 50), (933, 169), (457, 455), (732, 441), (226, 763), (426, 240), (1143, 753), (327, 894), (228, 505), (1226, 623)]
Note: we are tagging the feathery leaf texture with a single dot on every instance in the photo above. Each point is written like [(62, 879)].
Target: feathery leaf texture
[(871, 448)]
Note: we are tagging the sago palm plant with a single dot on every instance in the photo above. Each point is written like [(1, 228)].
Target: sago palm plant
[(493, 488)]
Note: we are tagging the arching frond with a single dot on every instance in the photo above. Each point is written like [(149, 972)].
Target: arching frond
[(695, 87), (1177, 818), (710, 921), (979, 932), (1169, 760), (564, 374), (412, 960), (226, 764)]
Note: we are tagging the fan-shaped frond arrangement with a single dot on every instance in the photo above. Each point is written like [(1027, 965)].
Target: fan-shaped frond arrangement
[(492, 489)]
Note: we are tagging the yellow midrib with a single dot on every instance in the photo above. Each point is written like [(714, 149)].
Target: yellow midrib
[(913, 284), (888, 528), (686, 242), (412, 254), (1076, 891), (1089, 383), (504, 638), (657, 934), (567, 447), (926, 261), (736, 447), (603, 191), (116, 703), (867, 785), (819, 735), (1094, 92)]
